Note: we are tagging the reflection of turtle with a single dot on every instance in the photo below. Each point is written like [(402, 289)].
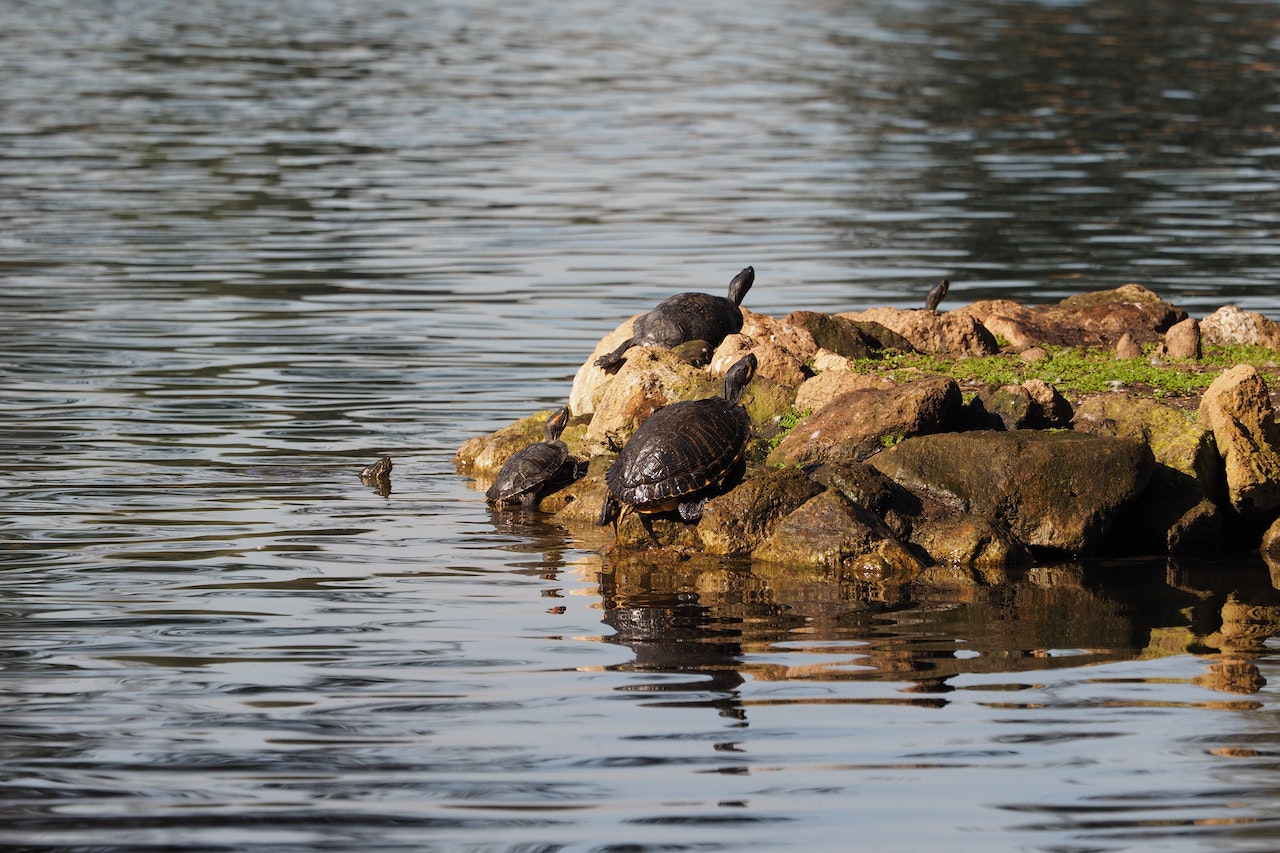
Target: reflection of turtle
[(682, 453), (687, 317), (937, 294), (535, 470)]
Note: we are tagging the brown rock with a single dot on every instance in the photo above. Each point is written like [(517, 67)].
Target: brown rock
[(1183, 340), (1100, 318), (1232, 326), (1176, 511), (844, 337), (971, 541), (1054, 490), (1035, 404), (650, 378), (857, 424), (953, 333), (589, 382), (1127, 349), (774, 361), (1238, 410), (831, 533), (818, 391), (736, 522)]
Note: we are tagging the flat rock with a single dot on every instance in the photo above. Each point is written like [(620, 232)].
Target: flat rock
[(1055, 490), (951, 333)]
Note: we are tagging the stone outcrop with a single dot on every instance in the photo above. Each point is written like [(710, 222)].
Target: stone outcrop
[(1238, 410), (952, 333), (1232, 326), (1055, 490)]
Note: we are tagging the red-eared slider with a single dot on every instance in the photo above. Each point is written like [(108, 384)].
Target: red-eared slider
[(682, 454), (687, 317), (535, 470), (937, 294)]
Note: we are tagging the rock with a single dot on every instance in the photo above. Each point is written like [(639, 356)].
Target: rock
[(1033, 354), (831, 533), (1238, 410), (1232, 326), (1176, 512), (873, 491), (953, 333), (589, 382), (818, 391), (1035, 404), (796, 342), (734, 523), (1271, 541), (845, 337), (650, 378), (1126, 348), (1183, 340), (1100, 318), (857, 424), (973, 542), (1055, 490), (774, 362)]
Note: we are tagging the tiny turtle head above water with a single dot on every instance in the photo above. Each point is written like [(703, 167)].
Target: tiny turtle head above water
[(682, 454), (537, 469), (687, 317)]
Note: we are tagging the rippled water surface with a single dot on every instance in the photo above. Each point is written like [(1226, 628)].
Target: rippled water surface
[(248, 247)]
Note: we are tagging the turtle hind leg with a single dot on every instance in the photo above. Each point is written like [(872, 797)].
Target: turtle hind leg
[(611, 361), (691, 511)]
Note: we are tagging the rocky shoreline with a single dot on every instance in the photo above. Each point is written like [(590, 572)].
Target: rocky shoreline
[(932, 473)]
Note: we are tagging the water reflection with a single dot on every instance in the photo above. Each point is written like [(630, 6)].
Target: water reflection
[(731, 622)]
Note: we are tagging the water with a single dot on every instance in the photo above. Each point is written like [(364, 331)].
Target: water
[(248, 248)]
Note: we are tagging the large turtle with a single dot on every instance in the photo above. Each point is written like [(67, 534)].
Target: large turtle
[(536, 470), (682, 454), (687, 317)]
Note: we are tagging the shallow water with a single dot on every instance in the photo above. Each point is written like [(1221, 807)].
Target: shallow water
[(248, 248)]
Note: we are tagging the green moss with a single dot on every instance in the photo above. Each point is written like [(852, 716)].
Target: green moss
[(1075, 370), (786, 423)]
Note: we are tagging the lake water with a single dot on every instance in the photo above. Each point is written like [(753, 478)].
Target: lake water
[(247, 248)]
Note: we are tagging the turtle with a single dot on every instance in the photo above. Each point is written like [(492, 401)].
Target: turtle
[(937, 294), (682, 454), (378, 475), (535, 470), (686, 317)]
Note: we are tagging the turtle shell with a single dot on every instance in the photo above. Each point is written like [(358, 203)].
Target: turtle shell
[(681, 450), (527, 471), (688, 317)]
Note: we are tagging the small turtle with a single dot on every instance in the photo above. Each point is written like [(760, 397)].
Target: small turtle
[(378, 475), (536, 470), (937, 294), (682, 454), (687, 317)]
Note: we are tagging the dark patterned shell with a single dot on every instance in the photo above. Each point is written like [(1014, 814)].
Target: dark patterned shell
[(527, 471), (680, 450), (688, 317)]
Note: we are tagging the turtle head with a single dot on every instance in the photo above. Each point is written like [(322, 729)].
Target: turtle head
[(557, 422), (738, 377), (741, 284)]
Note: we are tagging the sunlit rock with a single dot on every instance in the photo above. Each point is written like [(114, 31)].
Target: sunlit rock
[(1238, 410), (950, 333), (736, 522), (1232, 326), (857, 424)]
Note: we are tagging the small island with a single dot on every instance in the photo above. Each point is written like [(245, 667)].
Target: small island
[(897, 449)]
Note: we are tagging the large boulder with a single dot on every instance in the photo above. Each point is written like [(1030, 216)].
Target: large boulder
[(1053, 490), (855, 425), (951, 333), (845, 337), (1238, 410), (1232, 326), (1177, 509)]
